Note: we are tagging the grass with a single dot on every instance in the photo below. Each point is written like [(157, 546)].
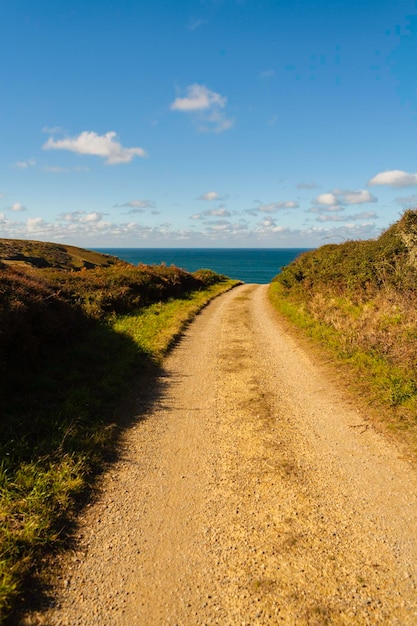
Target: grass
[(72, 344), (156, 328), (358, 301)]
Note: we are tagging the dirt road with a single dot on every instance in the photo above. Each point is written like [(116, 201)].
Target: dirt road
[(251, 494)]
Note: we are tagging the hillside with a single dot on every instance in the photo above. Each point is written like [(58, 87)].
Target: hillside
[(358, 299), (73, 344), (43, 254)]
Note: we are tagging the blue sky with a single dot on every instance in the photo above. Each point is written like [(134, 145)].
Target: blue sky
[(207, 123)]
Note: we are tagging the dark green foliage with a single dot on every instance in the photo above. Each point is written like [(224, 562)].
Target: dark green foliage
[(359, 266), (359, 299), (123, 288), (208, 277)]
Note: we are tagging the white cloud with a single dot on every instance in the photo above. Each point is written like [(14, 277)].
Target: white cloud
[(328, 199), (136, 204), (340, 197), (278, 206), (207, 105), (35, 224), (198, 98), (17, 206), (269, 225), (394, 178), (362, 196), (23, 165), (81, 217), (89, 142), (210, 195), (95, 228), (219, 212), (332, 217), (273, 207)]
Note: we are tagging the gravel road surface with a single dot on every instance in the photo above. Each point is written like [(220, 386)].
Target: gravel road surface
[(252, 493)]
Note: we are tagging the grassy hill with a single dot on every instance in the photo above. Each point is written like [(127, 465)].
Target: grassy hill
[(43, 254), (78, 331), (358, 299)]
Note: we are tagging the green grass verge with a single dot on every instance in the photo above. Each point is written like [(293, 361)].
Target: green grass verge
[(61, 425), (156, 327), (383, 384)]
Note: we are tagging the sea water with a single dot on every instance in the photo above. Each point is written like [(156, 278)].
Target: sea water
[(250, 265)]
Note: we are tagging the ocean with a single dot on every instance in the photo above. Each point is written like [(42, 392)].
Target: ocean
[(250, 265)]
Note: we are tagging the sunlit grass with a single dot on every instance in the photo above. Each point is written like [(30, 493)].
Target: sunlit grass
[(155, 328)]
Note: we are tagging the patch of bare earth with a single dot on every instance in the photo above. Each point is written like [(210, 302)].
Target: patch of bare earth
[(250, 494)]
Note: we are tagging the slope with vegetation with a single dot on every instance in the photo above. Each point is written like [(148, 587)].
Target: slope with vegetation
[(76, 330), (359, 300)]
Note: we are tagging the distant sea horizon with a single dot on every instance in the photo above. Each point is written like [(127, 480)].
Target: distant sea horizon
[(250, 265)]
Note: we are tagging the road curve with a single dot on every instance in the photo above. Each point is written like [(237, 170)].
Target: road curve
[(251, 494)]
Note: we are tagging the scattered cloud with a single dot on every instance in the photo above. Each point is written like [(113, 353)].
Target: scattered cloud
[(139, 205), (89, 142), (219, 212), (94, 228), (278, 206), (210, 195), (363, 196), (394, 178), (198, 98), (327, 199), (208, 107), (23, 165), (35, 224), (273, 207), (82, 217), (17, 206), (334, 217), (343, 197), (269, 226)]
